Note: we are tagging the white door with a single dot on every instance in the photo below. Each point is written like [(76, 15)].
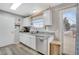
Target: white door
[(69, 30), (6, 30)]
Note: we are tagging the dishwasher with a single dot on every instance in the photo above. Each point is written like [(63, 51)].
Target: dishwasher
[(42, 44)]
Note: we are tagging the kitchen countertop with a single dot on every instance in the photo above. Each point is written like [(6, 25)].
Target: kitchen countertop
[(39, 34)]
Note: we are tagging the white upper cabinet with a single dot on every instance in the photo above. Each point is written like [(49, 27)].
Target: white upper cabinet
[(26, 22), (48, 17)]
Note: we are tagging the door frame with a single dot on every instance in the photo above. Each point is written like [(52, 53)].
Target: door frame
[(62, 27), (60, 9)]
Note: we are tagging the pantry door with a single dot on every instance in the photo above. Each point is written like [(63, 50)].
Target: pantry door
[(6, 30)]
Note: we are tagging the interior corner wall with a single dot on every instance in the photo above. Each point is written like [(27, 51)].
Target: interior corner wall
[(7, 15), (55, 20), (57, 26)]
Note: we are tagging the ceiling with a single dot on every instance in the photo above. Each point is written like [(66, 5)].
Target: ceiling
[(25, 8)]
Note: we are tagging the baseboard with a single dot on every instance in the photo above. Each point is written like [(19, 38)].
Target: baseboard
[(6, 44), (65, 54)]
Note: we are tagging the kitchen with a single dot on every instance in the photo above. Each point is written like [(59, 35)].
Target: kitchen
[(32, 26)]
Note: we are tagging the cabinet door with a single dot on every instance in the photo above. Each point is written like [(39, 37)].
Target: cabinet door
[(32, 42), (47, 16), (25, 39), (22, 38), (26, 22), (28, 40)]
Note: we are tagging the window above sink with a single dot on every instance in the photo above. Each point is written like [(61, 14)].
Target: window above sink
[(38, 23)]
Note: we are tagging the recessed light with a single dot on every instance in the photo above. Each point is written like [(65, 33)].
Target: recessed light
[(15, 6), (37, 11)]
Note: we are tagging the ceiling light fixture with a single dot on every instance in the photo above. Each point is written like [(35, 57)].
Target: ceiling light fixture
[(15, 6), (37, 11)]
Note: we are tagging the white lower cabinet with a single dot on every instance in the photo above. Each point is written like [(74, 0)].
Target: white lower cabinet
[(38, 43), (28, 40)]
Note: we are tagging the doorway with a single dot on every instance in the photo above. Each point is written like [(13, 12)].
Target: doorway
[(69, 31)]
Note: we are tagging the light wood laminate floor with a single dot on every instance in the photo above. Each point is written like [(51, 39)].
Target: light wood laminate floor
[(17, 49)]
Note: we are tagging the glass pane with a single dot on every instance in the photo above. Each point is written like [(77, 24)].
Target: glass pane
[(69, 21), (39, 23)]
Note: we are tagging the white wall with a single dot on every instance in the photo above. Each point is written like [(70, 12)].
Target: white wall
[(7, 28), (56, 22), (57, 26)]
